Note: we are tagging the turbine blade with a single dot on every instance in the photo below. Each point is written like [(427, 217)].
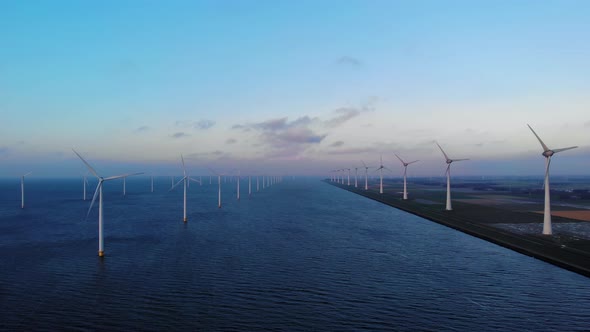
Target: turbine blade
[(27, 174), (177, 183), (460, 159), (364, 164), (87, 164), (183, 168), (94, 198), (441, 150), (197, 181), (564, 149), (545, 148), (400, 159), (415, 161), (212, 171), (121, 176)]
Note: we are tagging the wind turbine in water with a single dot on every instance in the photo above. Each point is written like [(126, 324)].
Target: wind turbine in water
[(356, 173), (98, 192), (84, 183), (22, 190), (218, 187), (185, 180), (448, 172), (405, 173), (548, 153)]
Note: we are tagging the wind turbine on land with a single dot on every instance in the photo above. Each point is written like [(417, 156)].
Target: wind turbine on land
[(185, 180), (98, 192), (548, 153), (348, 169), (22, 190), (380, 169), (405, 173), (366, 175), (449, 161)]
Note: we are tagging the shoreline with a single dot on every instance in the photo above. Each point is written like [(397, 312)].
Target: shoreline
[(552, 249)]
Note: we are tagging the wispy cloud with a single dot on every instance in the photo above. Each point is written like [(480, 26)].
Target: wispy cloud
[(202, 124), (344, 114), (337, 144), (179, 134), (230, 141), (142, 129), (349, 61), (283, 137)]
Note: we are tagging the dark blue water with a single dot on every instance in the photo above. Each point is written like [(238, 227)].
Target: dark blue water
[(301, 255)]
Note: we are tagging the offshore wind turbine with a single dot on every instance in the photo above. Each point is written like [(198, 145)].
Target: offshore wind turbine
[(218, 187), (185, 180), (22, 190), (405, 173), (449, 161), (548, 153), (98, 192), (356, 173)]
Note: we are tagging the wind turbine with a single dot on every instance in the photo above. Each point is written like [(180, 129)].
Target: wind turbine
[(548, 153), (98, 192), (380, 169), (405, 173), (356, 173), (366, 175), (218, 187), (348, 169), (249, 185), (238, 181), (185, 180), (449, 162), (22, 190)]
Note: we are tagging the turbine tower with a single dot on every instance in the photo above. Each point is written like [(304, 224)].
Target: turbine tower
[(448, 172), (98, 192), (22, 190), (356, 173), (548, 153), (366, 175), (185, 180), (405, 173), (380, 169)]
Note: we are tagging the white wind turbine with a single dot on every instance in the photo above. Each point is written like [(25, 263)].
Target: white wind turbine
[(356, 173), (405, 173), (366, 175), (22, 190), (185, 179), (448, 172), (249, 185), (98, 192), (238, 187), (548, 153), (348, 169), (380, 169), (218, 187)]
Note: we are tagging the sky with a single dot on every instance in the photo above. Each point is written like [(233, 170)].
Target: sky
[(293, 87)]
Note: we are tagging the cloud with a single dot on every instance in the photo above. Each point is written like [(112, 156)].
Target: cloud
[(283, 137), (349, 61), (337, 144), (344, 114), (142, 129), (179, 134), (202, 124), (231, 141)]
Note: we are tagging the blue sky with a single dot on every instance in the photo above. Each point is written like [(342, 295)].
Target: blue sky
[(297, 87)]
